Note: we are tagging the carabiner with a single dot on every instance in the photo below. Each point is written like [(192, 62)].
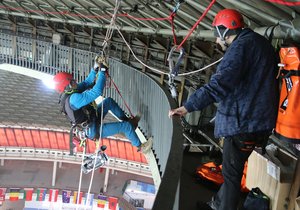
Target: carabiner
[(174, 69)]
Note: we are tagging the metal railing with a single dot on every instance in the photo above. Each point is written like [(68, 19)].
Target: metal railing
[(139, 91)]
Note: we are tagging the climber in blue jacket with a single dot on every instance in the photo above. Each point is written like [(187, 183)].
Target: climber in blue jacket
[(77, 102)]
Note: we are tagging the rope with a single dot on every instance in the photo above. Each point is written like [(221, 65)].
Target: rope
[(110, 29), (117, 89), (202, 69), (80, 178), (97, 149), (195, 25), (173, 29), (108, 36), (159, 71)]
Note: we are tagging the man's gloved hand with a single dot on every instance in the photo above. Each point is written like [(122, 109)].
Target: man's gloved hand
[(103, 67), (100, 63)]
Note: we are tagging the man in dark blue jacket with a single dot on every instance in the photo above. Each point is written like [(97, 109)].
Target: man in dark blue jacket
[(246, 89), (78, 103)]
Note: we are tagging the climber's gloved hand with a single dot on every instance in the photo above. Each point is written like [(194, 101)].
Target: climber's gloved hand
[(103, 67)]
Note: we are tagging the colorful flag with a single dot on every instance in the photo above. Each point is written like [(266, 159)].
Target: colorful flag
[(66, 195), (28, 194), (53, 195), (101, 201), (14, 194), (41, 194), (89, 200), (112, 202), (75, 197), (2, 194)]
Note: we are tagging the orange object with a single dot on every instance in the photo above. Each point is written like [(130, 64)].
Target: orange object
[(288, 119), (212, 172)]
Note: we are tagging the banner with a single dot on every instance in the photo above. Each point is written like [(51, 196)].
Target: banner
[(102, 199), (28, 192), (89, 201), (14, 194), (53, 195), (75, 197), (2, 194), (66, 196), (41, 194), (112, 202)]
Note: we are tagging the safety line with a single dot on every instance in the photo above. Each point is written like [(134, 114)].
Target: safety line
[(202, 69), (117, 89), (97, 149), (196, 24), (110, 29), (173, 29), (80, 178), (287, 3), (159, 71)]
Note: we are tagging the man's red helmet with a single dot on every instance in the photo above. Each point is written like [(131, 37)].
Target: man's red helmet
[(229, 18), (61, 80)]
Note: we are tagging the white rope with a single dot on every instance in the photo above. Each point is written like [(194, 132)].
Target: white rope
[(159, 71), (202, 69), (80, 179), (110, 29), (154, 69), (97, 149), (108, 36)]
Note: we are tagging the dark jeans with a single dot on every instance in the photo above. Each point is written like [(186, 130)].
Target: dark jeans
[(233, 163)]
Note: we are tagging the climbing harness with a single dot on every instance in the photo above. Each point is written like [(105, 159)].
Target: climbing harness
[(174, 69)]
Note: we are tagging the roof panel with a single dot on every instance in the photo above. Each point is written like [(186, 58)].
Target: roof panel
[(10, 135), (28, 138), (20, 138), (3, 138)]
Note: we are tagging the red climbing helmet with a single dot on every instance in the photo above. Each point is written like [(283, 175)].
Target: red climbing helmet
[(61, 80), (229, 18)]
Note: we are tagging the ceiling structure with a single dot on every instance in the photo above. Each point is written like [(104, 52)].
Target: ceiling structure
[(151, 28)]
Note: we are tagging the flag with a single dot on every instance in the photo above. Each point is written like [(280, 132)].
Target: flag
[(2, 194), (53, 195), (112, 203), (66, 195), (41, 194), (14, 194), (89, 200), (75, 197), (101, 201), (28, 194)]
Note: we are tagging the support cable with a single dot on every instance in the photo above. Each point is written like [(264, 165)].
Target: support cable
[(196, 24)]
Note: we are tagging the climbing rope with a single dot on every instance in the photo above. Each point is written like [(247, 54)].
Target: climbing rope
[(102, 59), (110, 29), (157, 70)]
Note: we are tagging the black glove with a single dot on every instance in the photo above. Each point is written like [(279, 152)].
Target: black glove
[(103, 67)]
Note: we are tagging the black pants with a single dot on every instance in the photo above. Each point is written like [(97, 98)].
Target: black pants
[(234, 158)]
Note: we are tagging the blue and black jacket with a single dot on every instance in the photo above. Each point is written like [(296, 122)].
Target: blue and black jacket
[(245, 87)]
